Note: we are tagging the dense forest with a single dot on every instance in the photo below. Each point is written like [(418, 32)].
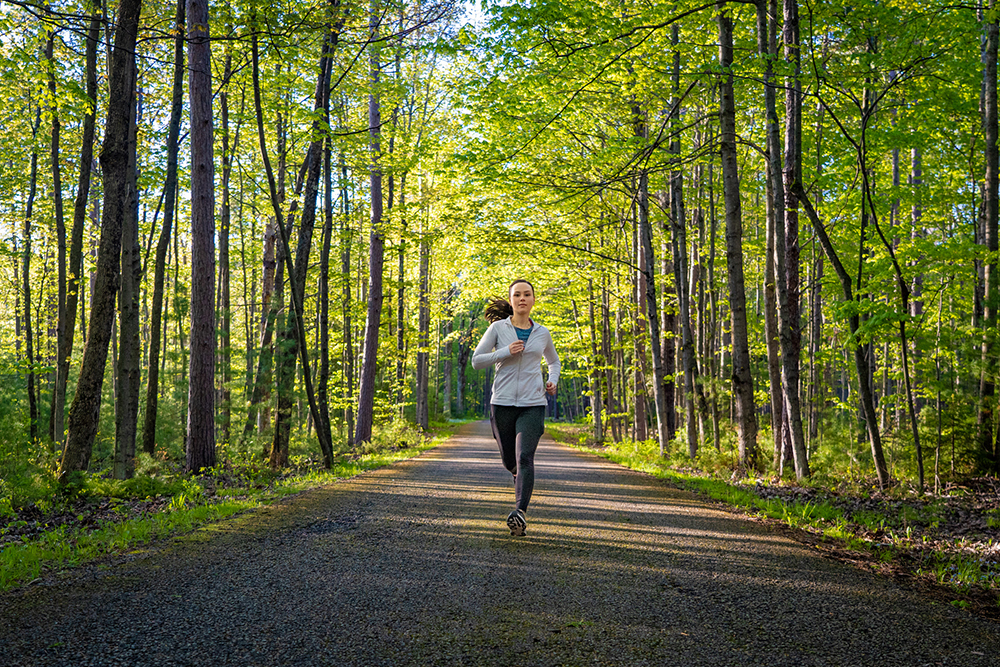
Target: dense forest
[(246, 229)]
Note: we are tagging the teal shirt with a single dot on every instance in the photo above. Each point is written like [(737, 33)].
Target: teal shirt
[(522, 334)]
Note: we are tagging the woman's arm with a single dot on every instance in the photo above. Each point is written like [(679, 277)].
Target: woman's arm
[(484, 354), (552, 359)]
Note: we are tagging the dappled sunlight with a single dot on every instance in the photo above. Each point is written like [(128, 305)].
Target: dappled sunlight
[(413, 562)]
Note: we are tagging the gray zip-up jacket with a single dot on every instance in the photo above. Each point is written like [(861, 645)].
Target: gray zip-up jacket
[(518, 380)]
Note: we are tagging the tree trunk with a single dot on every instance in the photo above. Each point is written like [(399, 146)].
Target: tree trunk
[(401, 299), (423, 336), (861, 362), (292, 340), (647, 284), (991, 197), (369, 362), (56, 414), (29, 349), (75, 264), (345, 268), (639, 429), (222, 302), (84, 413), (448, 352), (595, 368), (127, 373), (260, 389), (163, 243), (746, 418), (200, 448), (787, 245), (817, 390), (323, 323), (767, 49)]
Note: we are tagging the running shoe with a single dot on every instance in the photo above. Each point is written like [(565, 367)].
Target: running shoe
[(515, 521)]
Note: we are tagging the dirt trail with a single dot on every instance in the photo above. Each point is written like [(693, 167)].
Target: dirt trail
[(413, 565)]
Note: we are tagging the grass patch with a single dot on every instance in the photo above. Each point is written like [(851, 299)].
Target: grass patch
[(893, 530), (172, 505)]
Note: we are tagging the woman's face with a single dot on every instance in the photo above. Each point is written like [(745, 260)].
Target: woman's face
[(522, 298)]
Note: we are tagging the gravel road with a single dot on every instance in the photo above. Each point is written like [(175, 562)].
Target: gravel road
[(413, 565)]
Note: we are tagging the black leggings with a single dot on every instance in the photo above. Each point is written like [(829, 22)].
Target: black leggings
[(517, 431)]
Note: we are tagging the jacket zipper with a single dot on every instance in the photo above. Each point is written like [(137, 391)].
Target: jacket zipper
[(517, 377)]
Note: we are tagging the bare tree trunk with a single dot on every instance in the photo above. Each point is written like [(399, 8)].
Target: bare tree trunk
[(648, 286), (787, 245), (85, 411), (65, 350), (613, 409), (201, 374), (991, 197), (767, 49), (668, 327), (401, 297), (595, 371), (746, 418), (56, 414), (916, 215), (260, 387), (423, 336), (817, 391), (29, 349), (163, 244), (345, 268), (222, 304), (129, 347), (638, 344), (369, 364), (323, 381)]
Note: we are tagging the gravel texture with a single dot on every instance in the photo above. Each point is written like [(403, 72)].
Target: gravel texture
[(413, 565)]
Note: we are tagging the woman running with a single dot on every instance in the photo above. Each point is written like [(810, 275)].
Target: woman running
[(515, 344)]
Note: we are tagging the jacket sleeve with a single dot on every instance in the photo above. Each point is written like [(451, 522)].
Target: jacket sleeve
[(484, 354), (552, 359)]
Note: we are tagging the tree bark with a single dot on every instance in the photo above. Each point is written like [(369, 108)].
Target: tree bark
[(746, 418), (369, 363), (345, 275), (75, 262), (29, 349), (56, 424), (222, 304), (84, 413), (292, 341), (200, 448), (323, 379), (127, 374), (595, 369), (163, 243), (991, 214), (767, 49), (640, 432), (787, 244), (260, 387), (423, 336), (648, 287)]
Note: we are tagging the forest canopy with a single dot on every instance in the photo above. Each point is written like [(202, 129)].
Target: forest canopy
[(260, 229)]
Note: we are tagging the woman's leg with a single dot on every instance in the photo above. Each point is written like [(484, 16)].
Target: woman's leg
[(530, 425), (503, 419)]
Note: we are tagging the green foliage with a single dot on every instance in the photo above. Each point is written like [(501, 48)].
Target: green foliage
[(397, 434), (238, 486)]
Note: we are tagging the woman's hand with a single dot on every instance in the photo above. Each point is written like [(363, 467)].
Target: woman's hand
[(516, 347), (550, 389)]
